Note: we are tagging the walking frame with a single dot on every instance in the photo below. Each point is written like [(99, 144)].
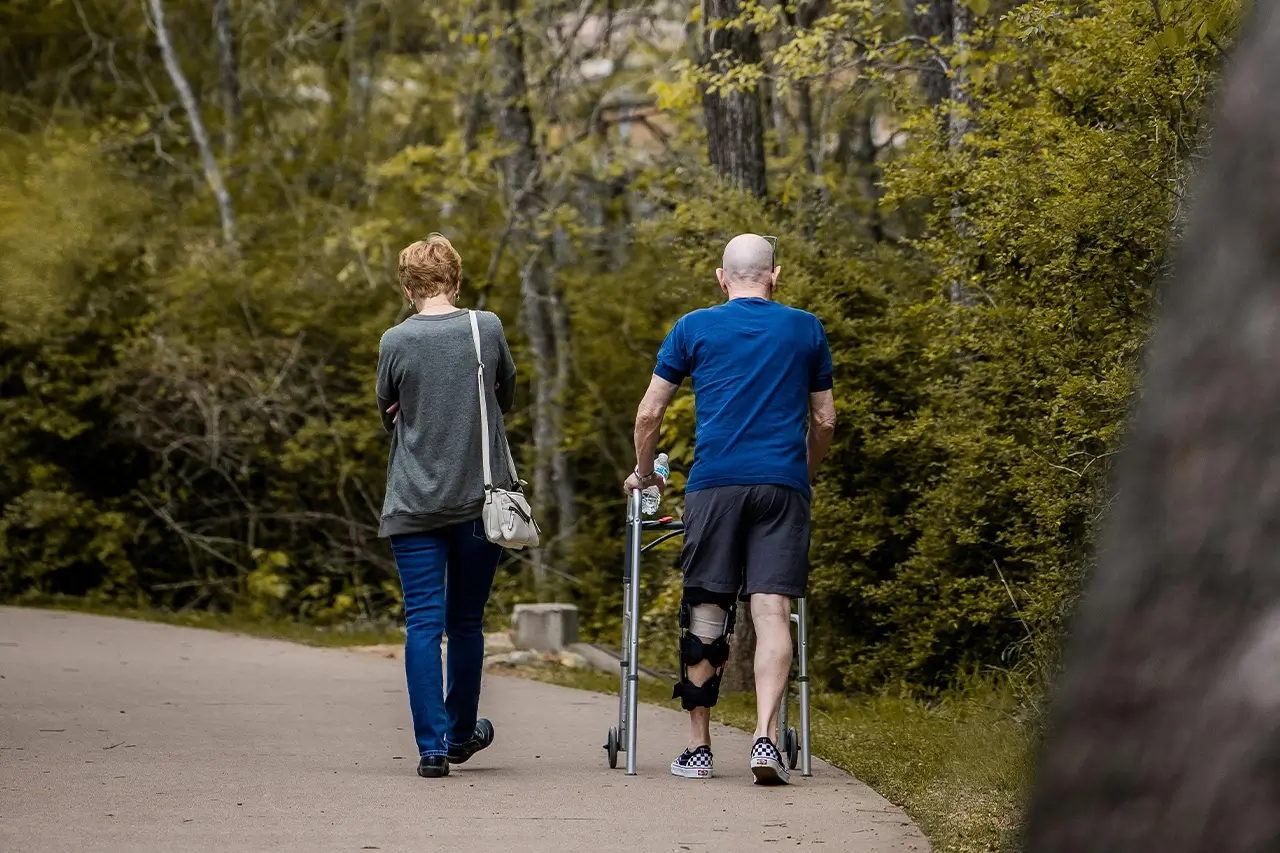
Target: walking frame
[(622, 738)]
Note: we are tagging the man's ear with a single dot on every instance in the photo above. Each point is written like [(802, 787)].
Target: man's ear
[(720, 278)]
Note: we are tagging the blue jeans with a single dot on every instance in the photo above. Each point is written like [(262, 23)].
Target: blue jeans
[(446, 576)]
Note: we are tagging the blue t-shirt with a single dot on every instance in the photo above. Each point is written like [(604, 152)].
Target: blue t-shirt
[(754, 364)]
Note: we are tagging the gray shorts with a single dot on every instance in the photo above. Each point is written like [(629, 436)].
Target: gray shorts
[(743, 540)]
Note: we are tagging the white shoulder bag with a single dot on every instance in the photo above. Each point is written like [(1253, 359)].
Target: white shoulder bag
[(508, 520)]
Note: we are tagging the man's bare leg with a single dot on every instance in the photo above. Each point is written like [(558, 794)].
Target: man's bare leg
[(771, 616), (700, 718)]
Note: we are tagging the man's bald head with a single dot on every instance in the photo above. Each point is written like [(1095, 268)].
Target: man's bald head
[(747, 263)]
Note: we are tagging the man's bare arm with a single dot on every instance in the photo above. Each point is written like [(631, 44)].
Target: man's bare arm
[(649, 421), (822, 428), (648, 426)]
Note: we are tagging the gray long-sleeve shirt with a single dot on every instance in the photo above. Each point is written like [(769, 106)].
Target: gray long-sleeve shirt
[(428, 365)]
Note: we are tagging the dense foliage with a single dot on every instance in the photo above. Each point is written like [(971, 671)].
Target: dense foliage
[(186, 406)]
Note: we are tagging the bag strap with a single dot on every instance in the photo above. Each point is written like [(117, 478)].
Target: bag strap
[(484, 412), (484, 405)]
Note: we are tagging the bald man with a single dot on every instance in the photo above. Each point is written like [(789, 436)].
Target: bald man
[(765, 413)]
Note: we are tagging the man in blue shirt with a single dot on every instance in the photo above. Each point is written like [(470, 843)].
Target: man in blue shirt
[(762, 386)]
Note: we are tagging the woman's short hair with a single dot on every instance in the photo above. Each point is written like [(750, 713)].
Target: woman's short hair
[(430, 267)]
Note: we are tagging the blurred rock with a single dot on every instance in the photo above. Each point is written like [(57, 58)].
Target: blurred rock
[(572, 660), (512, 659), (498, 643)]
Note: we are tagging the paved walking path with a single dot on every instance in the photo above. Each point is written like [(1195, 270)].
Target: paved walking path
[(127, 736)]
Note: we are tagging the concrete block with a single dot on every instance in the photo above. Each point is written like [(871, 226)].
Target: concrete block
[(545, 627)]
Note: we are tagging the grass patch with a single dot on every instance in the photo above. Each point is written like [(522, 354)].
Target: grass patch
[(959, 768), (237, 623)]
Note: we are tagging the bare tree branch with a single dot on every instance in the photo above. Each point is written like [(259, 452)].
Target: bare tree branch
[(211, 171)]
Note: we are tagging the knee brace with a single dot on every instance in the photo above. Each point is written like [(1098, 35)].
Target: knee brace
[(704, 636)]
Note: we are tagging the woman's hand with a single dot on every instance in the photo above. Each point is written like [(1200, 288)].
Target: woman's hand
[(394, 411)]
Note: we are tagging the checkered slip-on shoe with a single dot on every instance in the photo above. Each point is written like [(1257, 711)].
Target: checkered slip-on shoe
[(693, 764), (767, 765)]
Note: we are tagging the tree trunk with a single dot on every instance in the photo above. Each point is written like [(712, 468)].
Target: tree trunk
[(930, 20), (521, 170), (812, 151), (735, 126), (812, 156), (958, 125), (231, 101), (474, 104), (533, 317), (867, 156), (566, 505), (949, 22), (779, 117), (1164, 723), (212, 174), (740, 674), (350, 49), (801, 18)]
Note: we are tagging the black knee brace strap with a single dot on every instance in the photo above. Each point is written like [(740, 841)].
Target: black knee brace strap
[(693, 650), (693, 696)]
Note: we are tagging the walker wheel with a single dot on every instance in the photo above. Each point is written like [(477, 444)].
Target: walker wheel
[(791, 745), (611, 746)]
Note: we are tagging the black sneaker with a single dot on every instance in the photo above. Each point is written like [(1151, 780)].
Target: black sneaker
[(693, 764), (482, 738), (767, 765), (433, 766)]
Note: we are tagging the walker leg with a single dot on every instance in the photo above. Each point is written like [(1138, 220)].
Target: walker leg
[(633, 625), (622, 662), (802, 625), (782, 714), (616, 738)]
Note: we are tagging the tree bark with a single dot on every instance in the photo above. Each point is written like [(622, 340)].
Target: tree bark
[(812, 156), (561, 474), (801, 18), (812, 153), (232, 104), (1164, 725), (779, 117), (735, 126), (473, 105), (867, 156), (959, 122), (958, 93), (350, 49), (740, 673), (932, 20), (521, 171), (212, 174)]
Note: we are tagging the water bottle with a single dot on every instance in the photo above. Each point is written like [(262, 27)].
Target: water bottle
[(651, 497)]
